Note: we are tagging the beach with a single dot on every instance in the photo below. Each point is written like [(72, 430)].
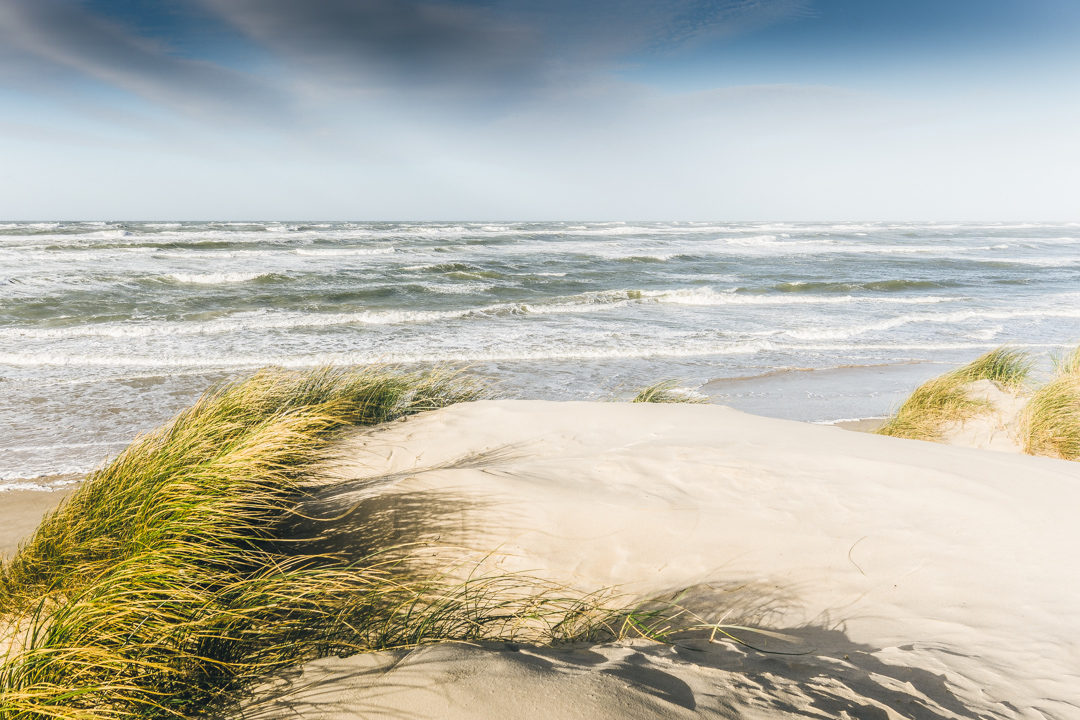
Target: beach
[(488, 360), (734, 551), (22, 511), (828, 573)]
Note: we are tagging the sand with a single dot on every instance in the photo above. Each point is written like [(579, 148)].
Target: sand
[(998, 428), (910, 579), (22, 510), (913, 580), (867, 425)]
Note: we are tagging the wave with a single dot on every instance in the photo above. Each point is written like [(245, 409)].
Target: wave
[(844, 333), (706, 296), (217, 278), (343, 252), (501, 353), (1033, 262), (455, 289), (459, 270), (799, 286), (451, 355), (45, 482), (588, 302)]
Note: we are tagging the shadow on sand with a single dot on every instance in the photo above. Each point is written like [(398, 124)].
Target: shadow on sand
[(810, 672)]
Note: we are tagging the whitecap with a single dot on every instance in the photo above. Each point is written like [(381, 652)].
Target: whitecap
[(342, 252), (216, 278)]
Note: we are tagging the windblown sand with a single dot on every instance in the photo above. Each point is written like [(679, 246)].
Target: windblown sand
[(913, 580), (910, 579)]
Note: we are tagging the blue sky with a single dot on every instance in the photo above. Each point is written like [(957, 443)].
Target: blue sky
[(491, 109)]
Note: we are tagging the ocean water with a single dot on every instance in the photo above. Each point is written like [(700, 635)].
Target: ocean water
[(107, 329)]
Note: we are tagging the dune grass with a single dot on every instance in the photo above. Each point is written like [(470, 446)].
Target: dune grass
[(665, 391), (1050, 424), (166, 584), (945, 399), (161, 586), (1005, 366), (217, 476), (1067, 364)]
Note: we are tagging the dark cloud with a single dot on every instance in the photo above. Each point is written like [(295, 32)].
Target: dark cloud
[(309, 52), (393, 42), (499, 45), (42, 34)]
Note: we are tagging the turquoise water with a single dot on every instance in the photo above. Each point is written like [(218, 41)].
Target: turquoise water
[(108, 328)]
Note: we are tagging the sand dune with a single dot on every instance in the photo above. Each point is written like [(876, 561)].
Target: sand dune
[(912, 580)]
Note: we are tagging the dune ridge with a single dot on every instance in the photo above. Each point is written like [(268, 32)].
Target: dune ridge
[(910, 580), (602, 560)]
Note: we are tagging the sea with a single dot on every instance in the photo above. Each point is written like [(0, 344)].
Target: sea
[(107, 329)]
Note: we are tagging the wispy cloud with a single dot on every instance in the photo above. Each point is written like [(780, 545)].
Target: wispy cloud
[(63, 35), (456, 51), (692, 20)]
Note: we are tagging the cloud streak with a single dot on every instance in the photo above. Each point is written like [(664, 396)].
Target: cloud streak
[(390, 42), (65, 36), (507, 47), (457, 52)]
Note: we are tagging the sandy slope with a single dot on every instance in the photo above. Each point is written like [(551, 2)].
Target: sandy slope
[(998, 428), (20, 513), (917, 580)]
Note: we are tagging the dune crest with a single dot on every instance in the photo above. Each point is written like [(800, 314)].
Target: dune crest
[(909, 579)]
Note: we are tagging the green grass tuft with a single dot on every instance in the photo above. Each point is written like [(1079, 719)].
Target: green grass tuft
[(168, 583), (1050, 424), (1005, 366), (945, 399), (218, 476), (161, 586), (665, 391)]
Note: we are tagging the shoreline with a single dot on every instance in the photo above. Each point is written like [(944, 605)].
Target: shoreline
[(865, 425)]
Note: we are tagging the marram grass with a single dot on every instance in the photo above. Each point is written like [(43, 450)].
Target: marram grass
[(217, 477), (162, 588), (665, 391), (1050, 423), (945, 399), (1069, 363)]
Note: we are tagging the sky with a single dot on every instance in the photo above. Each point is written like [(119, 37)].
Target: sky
[(540, 109)]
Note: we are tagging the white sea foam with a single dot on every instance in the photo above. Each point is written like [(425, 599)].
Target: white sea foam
[(1038, 261), (588, 302), (88, 303), (503, 352), (36, 477), (343, 252), (499, 352), (956, 318), (216, 278), (455, 289)]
